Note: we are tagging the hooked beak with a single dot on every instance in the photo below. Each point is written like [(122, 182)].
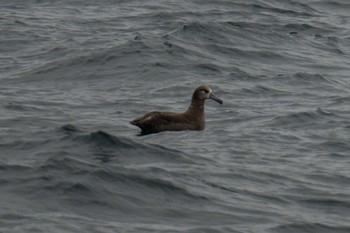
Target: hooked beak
[(217, 99)]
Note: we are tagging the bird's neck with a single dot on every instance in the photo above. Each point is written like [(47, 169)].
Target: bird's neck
[(196, 108)]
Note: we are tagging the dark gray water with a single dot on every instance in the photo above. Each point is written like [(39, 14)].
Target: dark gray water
[(274, 158)]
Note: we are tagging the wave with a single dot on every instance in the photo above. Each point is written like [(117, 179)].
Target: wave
[(288, 7), (71, 140), (106, 62), (303, 77), (297, 119), (216, 39), (263, 90), (310, 227), (108, 147), (303, 27), (326, 203), (100, 170)]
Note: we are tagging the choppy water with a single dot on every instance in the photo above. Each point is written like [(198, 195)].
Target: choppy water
[(274, 158)]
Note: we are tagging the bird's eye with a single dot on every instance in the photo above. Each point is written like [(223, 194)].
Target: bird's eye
[(206, 91)]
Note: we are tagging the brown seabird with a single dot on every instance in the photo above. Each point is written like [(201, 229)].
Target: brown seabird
[(192, 119)]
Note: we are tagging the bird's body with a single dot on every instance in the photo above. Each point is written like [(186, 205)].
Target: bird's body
[(192, 119)]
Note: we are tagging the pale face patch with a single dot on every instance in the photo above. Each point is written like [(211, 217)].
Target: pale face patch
[(148, 118), (207, 92)]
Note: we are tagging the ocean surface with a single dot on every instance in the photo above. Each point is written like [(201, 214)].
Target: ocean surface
[(275, 157)]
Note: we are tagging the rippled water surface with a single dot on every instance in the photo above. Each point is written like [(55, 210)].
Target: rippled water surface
[(273, 158)]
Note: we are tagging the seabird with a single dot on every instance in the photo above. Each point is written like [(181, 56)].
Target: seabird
[(192, 119)]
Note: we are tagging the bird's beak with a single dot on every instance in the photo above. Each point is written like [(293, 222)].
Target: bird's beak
[(217, 99)]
